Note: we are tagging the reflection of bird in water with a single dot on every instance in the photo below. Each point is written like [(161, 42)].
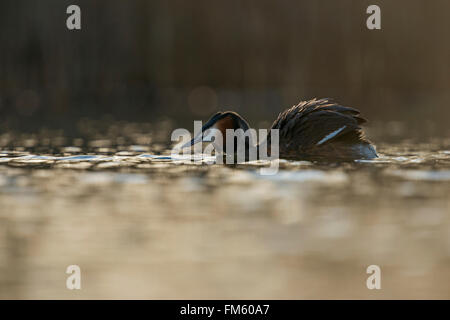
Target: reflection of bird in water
[(311, 130)]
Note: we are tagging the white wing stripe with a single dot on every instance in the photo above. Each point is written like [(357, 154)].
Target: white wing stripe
[(331, 135)]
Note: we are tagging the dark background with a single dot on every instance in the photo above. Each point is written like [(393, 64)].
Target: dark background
[(178, 60)]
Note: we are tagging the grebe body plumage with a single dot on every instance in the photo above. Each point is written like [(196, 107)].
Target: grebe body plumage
[(317, 129)]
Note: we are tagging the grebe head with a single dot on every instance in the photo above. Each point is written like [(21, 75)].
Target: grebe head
[(220, 121)]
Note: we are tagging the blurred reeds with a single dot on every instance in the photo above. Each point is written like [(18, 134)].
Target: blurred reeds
[(144, 60)]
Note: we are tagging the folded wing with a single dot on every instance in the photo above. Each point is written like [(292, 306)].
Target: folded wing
[(316, 123)]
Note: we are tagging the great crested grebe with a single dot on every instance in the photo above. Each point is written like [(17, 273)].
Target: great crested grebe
[(311, 130)]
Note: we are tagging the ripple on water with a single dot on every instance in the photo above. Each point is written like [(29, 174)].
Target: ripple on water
[(393, 160), (100, 178), (423, 175), (329, 177), (145, 160)]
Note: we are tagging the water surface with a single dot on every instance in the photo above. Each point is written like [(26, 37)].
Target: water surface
[(143, 225)]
